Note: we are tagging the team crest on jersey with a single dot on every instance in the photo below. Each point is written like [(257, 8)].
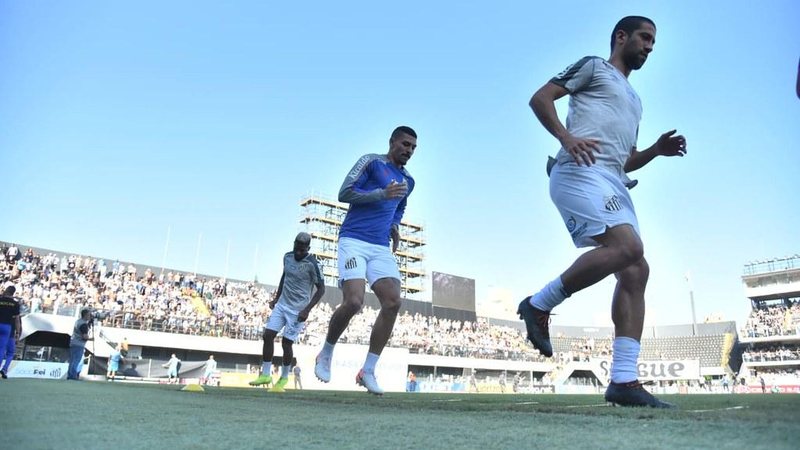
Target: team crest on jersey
[(571, 224), (612, 203)]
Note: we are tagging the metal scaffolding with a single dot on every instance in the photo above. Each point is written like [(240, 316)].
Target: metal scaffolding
[(323, 218)]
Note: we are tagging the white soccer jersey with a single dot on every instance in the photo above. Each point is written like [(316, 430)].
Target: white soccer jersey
[(602, 106)]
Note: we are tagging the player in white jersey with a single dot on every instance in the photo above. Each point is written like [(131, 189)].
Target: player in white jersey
[(588, 186), (291, 306)]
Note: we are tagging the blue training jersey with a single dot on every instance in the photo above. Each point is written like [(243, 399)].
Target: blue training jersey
[(371, 215)]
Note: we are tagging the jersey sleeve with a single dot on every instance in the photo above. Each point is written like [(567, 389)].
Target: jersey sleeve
[(576, 76), (352, 190), (316, 271)]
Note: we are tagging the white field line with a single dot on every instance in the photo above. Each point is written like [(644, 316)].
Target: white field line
[(716, 409)]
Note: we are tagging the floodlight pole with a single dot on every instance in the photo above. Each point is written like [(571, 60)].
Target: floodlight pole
[(691, 301)]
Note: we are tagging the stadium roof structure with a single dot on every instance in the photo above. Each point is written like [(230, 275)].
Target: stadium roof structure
[(772, 279)]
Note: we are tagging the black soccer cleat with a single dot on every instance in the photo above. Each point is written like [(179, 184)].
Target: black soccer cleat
[(537, 323), (3, 374), (633, 394)]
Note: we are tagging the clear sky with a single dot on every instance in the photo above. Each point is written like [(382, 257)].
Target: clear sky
[(121, 121)]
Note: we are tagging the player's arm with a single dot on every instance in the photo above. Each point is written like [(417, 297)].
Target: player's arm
[(318, 293), (278, 293), (543, 105), (394, 230), (352, 190), (668, 144), (17, 327)]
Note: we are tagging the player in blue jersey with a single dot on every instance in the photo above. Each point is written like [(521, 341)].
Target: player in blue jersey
[(377, 189), (291, 306), (588, 186)]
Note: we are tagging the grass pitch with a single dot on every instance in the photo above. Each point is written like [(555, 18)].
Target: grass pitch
[(67, 414)]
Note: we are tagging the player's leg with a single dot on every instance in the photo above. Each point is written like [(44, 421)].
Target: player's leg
[(288, 354), (267, 352), (384, 278), (352, 301), (627, 312), (388, 292), (596, 210), (352, 272)]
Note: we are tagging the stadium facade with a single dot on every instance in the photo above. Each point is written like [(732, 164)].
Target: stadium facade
[(770, 340)]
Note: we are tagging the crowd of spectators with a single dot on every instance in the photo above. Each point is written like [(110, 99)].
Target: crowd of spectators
[(176, 302), (772, 353), (773, 320)]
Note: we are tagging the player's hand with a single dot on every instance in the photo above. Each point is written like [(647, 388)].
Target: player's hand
[(396, 190), (670, 145), (581, 149), (394, 234), (302, 316)]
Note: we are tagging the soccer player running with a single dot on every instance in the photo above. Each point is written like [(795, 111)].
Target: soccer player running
[(377, 189), (291, 306), (588, 186)]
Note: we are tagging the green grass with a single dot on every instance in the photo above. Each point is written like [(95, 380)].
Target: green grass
[(62, 414)]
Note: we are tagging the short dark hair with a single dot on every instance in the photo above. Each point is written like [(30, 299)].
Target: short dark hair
[(9, 290), (403, 130), (629, 24)]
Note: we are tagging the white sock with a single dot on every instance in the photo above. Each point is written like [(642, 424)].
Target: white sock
[(369, 364), (285, 371), (550, 296), (327, 349), (624, 359), (266, 368)]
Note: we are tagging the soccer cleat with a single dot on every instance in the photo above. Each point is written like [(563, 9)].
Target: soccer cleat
[(368, 381), (3, 374), (261, 380), (279, 385), (633, 394), (537, 322), (322, 369)]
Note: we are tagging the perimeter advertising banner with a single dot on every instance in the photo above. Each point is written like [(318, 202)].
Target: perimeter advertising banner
[(37, 369), (663, 370)]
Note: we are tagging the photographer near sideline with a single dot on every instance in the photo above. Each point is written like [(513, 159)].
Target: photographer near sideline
[(77, 343), (10, 328)]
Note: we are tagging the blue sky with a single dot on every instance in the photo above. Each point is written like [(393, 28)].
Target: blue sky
[(118, 122)]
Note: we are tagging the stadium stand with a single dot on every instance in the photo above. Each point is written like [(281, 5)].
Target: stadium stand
[(149, 299)]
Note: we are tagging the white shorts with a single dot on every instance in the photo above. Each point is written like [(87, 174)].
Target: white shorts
[(286, 319), (359, 260), (590, 200)]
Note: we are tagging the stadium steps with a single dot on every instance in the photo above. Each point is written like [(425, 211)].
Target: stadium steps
[(200, 305)]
